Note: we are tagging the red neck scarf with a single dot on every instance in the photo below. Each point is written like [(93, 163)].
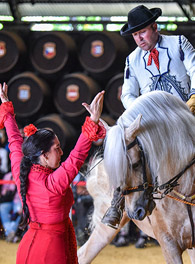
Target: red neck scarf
[(153, 55)]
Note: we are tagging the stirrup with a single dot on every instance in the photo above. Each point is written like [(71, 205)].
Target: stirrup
[(112, 217)]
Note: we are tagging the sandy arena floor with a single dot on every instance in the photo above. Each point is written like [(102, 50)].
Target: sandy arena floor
[(110, 255)]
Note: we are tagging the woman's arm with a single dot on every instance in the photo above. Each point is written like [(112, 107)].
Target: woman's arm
[(7, 119), (92, 130), (15, 145)]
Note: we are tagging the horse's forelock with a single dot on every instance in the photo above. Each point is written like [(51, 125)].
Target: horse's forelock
[(115, 156)]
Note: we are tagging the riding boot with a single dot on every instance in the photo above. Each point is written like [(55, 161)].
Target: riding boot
[(114, 213)]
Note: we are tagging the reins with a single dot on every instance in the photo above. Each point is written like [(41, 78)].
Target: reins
[(168, 186), (177, 199)]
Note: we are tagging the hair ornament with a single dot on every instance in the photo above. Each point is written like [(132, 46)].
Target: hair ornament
[(30, 130)]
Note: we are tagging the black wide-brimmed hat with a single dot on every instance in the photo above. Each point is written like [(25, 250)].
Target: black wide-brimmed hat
[(139, 18)]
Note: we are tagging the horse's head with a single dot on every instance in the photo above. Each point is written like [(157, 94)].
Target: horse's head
[(138, 194), (148, 150), (126, 167)]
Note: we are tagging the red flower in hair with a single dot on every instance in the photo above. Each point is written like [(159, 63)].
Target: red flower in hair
[(29, 130)]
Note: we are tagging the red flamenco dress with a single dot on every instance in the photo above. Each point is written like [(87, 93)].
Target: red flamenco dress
[(50, 238)]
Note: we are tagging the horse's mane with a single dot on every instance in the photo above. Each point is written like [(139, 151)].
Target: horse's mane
[(98, 187), (167, 137)]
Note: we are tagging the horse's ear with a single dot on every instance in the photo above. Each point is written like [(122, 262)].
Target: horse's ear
[(107, 127), (133, 130)]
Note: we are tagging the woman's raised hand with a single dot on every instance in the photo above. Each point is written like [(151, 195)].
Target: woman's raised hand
[(96, 106), (3, 92)]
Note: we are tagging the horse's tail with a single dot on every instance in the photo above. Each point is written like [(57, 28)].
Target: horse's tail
[(98, 187)]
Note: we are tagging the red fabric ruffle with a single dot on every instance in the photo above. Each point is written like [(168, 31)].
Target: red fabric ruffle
[(5, 108), (40, 168), (92, 130)]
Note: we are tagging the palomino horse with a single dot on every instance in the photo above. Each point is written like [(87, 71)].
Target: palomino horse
[(152, 142)]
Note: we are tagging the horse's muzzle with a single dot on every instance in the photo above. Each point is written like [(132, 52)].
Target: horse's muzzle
[(140, 211)]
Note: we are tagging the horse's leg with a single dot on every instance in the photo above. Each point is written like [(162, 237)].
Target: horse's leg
[(171, 254), (169, 246), (101, 236), (191, 253)]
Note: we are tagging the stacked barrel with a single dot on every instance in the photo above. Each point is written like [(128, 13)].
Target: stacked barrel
[(50, 74)]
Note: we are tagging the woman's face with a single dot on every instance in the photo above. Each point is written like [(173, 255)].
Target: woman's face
[(53, 156)]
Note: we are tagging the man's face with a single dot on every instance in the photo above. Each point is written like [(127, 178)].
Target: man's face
[(147, 37)]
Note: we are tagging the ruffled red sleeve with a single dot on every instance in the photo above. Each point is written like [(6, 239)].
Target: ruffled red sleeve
[(5, 108), (92, 130)]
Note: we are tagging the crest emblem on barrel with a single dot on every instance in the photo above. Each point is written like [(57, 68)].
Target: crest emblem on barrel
[(72, 92), (24, 92), (2, 48), (49, 50), (97, 48)]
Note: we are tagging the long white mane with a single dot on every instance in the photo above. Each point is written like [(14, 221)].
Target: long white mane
[(98, 188), (167, 137)]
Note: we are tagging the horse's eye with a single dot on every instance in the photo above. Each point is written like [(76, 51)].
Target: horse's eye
[(135, 165)]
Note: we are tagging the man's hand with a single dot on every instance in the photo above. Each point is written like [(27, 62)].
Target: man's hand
[(191, 104)]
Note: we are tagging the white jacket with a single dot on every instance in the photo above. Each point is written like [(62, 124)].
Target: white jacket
[(175, 75)]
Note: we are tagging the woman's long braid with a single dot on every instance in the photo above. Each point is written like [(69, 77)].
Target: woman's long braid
[(35, 145), (24, 171)]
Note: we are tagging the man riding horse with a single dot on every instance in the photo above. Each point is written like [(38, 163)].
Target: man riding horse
[(165, 62)]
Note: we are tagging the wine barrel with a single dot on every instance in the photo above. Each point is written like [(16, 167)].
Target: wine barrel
[(112, 96), (103, 53), (12, 53), (65, 132), (53, 53), (30, 95), (71, 91)]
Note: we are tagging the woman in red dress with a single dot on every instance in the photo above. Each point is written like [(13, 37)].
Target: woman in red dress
[(44, 184)]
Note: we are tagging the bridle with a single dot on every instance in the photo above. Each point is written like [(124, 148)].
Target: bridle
[(168, 186), (145, 186), (154, 189)]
